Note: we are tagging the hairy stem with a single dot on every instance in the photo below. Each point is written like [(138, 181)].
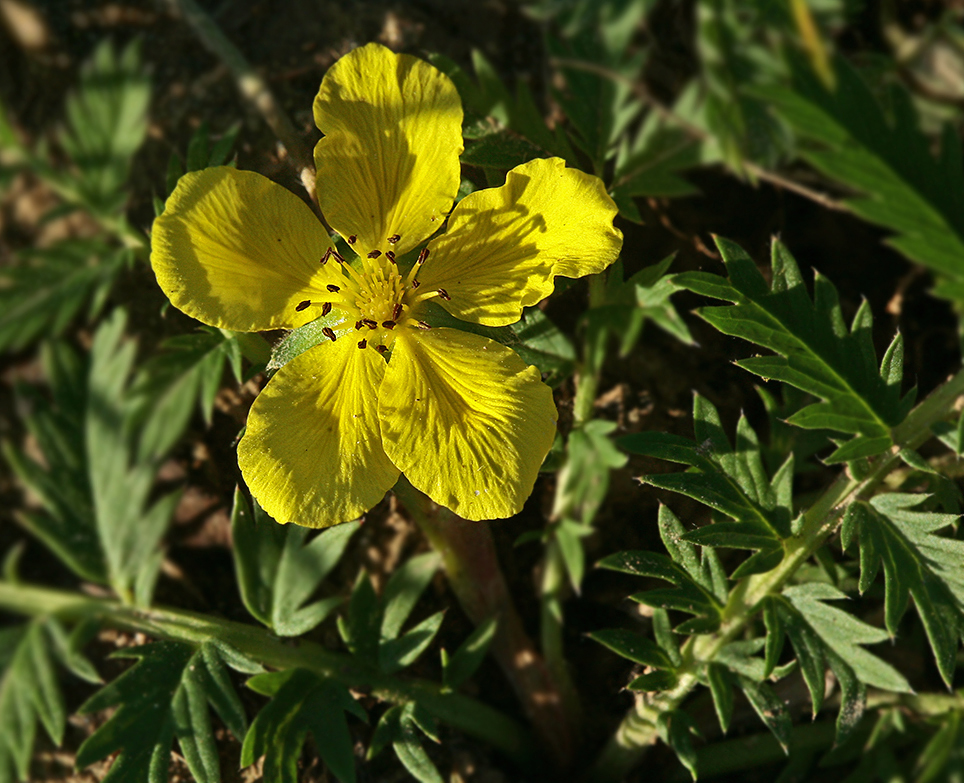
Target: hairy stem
[(638, 729), (260, 645), (470, 562)]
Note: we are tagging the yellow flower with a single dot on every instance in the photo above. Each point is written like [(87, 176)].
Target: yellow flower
[(460, 415)]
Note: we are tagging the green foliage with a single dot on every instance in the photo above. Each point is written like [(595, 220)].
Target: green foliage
[(884, 156), (468, 657), (164, 695), (400, 726), (99, 516), (278, 569), (917, 563), (301, 702), (817, 353)]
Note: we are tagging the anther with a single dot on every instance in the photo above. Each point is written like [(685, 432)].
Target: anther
[(370, 323), (388, 324), (337, 256), (381, 349), (363, 344), (441, 292), (326, 256), (394, 238), (351, 239), (325, 309), (422, 256), (415, 284), (303, 305), (329, 333), (396, 311), (333, 288), (422, 325), (374, 253), (390, 255), (358, 325)]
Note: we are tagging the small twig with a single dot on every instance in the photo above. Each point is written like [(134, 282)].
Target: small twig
[(253, 88)]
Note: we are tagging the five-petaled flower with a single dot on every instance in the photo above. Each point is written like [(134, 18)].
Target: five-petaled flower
[(385, 393)]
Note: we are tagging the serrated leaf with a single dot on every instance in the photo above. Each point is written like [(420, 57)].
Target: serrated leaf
[(886, 159), (165, 694), (917, 563), (29, 693), (301, 702), (816, 353)]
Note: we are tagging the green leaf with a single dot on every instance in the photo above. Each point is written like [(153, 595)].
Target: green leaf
[(301, 702), (659, 680), (648, 165), (279, 569), (886, 158), (721, 690), (29, 692), (396, 654), (540, 342), (403, 590), (106, 124), (675, 728), (839, 631), (45, 289), (470, 654), (361, 631), (816, 352), (165, 694), (398, 726), (633, 646), (769, 707), (917, 564)]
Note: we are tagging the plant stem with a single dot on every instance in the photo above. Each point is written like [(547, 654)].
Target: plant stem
[(180, 625), (638, 729), (470, 562)]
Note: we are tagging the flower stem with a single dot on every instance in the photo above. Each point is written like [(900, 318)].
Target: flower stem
[(179, 625), (638, 729), (470, 562)]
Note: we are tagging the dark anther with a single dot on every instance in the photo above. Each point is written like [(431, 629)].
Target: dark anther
[(333, 288), (422, 256), (441, 292), (303, 305), (338, 256), (390, 255), (351, 239), (396, 311), (394, 238), (329, 333), (363, 343), (381, 349), (358, 325), (388, 324), (415, 284), (326, 256), (325, 309), (374, 253), (370, 323), (423, 325)]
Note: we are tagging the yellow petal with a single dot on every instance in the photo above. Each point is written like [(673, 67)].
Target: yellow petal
[(389, 162), (312, 453), (504, 245), (466, 421), (237, 251)]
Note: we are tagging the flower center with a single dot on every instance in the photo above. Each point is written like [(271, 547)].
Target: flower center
[(377, 299)]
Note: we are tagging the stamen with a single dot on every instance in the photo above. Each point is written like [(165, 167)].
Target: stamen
[(337, 256), (358, 325), (370, 323), (396, 311), (422, 325), (388, 324), (394, 238), (326, 256), (329, 333), (333, 288), (422, 256), (441, 292), (390, 255), (325, 309), (374, 253), (303, 305), (381, 349), (352, 239), (363, 344), (415, 284)]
